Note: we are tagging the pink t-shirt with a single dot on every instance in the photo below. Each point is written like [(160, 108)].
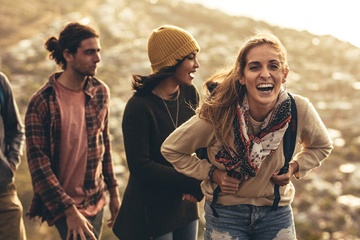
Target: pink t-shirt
[(74, 147)]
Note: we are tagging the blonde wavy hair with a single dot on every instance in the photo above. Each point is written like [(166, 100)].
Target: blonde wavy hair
[(224, 90)]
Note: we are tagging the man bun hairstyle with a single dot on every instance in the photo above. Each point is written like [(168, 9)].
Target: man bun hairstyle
[(69, 39)]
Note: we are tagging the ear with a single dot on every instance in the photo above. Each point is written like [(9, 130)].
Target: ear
[(242, 80), (286, 72), (67, 55)]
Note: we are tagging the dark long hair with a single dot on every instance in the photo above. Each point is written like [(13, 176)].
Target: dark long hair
[(143, 85)]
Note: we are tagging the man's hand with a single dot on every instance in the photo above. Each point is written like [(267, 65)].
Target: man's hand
[(114, 206), (78, 225)]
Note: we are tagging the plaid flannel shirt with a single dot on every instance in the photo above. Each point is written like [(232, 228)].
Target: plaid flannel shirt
[(42, 129)]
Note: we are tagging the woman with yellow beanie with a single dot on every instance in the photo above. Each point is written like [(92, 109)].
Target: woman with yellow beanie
[(159, 202)]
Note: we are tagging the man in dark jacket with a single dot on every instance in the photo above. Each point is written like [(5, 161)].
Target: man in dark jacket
[(11, 143)]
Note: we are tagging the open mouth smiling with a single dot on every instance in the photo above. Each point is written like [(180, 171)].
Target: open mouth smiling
[(266, 87)]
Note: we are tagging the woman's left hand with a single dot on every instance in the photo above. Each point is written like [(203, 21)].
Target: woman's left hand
[(189, 197), (284, 179)]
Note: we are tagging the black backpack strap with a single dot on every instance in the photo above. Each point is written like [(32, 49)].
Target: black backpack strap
[(213, 202), (289, 147)]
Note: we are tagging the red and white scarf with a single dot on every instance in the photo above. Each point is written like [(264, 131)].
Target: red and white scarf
[(251, 150)]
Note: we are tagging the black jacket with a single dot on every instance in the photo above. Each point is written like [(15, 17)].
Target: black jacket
[(11, 133)]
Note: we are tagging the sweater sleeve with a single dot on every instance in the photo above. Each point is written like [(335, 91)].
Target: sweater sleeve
[(180, 146), (108, 165), (316, 144), (15, 133)]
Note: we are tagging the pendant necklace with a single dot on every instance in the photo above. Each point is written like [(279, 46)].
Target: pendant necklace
[(175, 123)]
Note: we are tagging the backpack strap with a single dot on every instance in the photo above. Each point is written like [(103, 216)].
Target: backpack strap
[(214, 200), (289, 147)]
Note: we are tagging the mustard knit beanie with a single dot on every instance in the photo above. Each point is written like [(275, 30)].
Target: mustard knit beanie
[(168, 44)]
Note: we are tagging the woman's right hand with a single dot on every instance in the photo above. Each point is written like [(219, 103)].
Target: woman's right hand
[(226, 183)]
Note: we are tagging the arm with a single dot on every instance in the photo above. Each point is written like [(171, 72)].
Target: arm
[(107, 164), (114, 206), (109, 176), (14, 134), (38, 146), (316, 144), (179, 147)]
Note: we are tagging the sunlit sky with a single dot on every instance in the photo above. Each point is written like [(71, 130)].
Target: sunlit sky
[(321, 17)]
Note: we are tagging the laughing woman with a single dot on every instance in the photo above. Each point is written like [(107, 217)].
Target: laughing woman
[(160, 203), (242, 123)]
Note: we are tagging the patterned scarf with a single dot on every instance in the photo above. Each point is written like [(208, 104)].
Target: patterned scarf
[(251, 149)]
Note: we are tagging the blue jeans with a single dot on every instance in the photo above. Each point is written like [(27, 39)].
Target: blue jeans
[(248, 222), (188, 232), (96, 221)]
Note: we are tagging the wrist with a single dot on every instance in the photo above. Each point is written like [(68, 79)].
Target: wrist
[(114, 192), (294, 167), (71, 210)]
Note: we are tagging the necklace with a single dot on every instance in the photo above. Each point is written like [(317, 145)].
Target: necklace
[(175, 123)]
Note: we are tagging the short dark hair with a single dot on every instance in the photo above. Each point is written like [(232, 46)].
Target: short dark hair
[(70, 38)]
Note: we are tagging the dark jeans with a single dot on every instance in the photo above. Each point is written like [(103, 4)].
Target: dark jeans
[(96, 221)]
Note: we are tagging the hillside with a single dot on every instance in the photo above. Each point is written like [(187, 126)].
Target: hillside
[(323, 69)]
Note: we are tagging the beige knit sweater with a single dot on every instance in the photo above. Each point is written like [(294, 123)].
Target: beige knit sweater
[(313, 146)]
